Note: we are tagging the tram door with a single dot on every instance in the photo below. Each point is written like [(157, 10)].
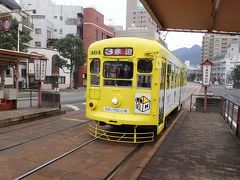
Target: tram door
[(181, 86), (162, 91)]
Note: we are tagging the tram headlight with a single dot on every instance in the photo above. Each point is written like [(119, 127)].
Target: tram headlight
[(114, 101), (92, 105)]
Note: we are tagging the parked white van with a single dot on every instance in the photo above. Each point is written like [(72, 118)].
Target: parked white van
[(229, 86)]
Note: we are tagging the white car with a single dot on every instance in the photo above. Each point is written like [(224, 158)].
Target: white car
[(216, 83), (229, 86)]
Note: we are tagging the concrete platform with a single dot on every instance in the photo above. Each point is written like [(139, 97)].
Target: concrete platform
[(200, 146), (29, 114)]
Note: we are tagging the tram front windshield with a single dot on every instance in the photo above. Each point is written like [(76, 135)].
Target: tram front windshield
[(117, 73)]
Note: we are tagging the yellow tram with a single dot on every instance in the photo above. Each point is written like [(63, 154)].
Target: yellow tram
[(132, 82)]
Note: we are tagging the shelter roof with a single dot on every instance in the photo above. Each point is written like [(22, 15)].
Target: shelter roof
[(213, 16), (8, 57), (11, 4)]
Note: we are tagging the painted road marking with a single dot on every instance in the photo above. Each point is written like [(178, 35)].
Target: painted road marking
[(70, 119), (75, 108)]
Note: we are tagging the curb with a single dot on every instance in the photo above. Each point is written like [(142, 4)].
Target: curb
[(30, 117), (133, 169), (150, 154)]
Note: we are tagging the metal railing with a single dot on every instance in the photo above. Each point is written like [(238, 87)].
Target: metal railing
[(229, 110), (30, 95)]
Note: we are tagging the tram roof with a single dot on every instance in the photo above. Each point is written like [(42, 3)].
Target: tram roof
[(128, 41), (212, 16)]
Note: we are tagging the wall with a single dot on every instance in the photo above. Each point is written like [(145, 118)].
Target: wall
[(94, 29)]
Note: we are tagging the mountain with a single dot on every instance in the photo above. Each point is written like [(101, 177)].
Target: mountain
[(192, 54)]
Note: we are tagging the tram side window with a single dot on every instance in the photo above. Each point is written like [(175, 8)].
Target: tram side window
[(163, 71), (177, 78), (144, 81), (94, 70), (144, 66), (95, 66), (168, 75)]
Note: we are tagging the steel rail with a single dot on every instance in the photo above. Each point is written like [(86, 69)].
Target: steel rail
[(31, 140), (34, 124), (54, 160), (123, 162)]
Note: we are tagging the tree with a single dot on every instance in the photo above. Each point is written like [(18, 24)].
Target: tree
[(71, 48), (236, 76), (9, 39)]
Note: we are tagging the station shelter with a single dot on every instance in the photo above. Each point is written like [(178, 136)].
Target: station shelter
[(11, 59)]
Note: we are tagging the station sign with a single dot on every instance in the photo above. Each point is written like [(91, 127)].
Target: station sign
[(5, 24), (40, 69), (206, 72), (118, 51), (206, 75)]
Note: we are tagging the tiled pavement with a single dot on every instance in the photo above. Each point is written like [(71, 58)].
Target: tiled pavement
[(200, 146)]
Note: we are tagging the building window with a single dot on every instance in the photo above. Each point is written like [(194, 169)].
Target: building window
[(55, 30), (96, 34), (24, 73), (61, 80), (55, 17), (48, 80), (8, 73), (103, 37), (37, 44), (38, 31), (61, 18), (60, 31)]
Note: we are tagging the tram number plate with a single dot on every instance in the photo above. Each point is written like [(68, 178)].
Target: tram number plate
[(116, 110)]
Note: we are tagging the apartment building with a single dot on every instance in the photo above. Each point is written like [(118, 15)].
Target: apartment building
[(139, 23), (214, 45), (221, 49), (224, 65), (52, 22)]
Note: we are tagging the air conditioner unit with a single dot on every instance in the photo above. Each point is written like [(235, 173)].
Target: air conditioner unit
[(10, 94), (1, 94)]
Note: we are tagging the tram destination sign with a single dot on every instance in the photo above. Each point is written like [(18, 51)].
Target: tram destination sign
[(125, 51)]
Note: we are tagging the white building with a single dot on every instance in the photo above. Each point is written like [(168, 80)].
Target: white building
[(52, 22), (55, 77), (214, 45), (224, 65)]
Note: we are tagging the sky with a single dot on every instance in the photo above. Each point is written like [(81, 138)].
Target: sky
[(114, 12)]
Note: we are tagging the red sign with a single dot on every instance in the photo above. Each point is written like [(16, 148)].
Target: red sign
[(6, 24), (118, 51)]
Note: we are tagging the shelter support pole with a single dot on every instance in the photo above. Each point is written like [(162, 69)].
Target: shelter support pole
[(205, 99), (39, 94), (16, 81)]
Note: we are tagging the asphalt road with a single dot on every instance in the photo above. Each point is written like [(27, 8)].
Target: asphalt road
[(70, 100), (220, 90)]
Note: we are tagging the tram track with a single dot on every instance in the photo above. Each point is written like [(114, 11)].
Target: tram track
[(35, 124), (55, 159), (123, 162), (39, 137)]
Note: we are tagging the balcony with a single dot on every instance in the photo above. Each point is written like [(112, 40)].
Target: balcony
[(27, 23)]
